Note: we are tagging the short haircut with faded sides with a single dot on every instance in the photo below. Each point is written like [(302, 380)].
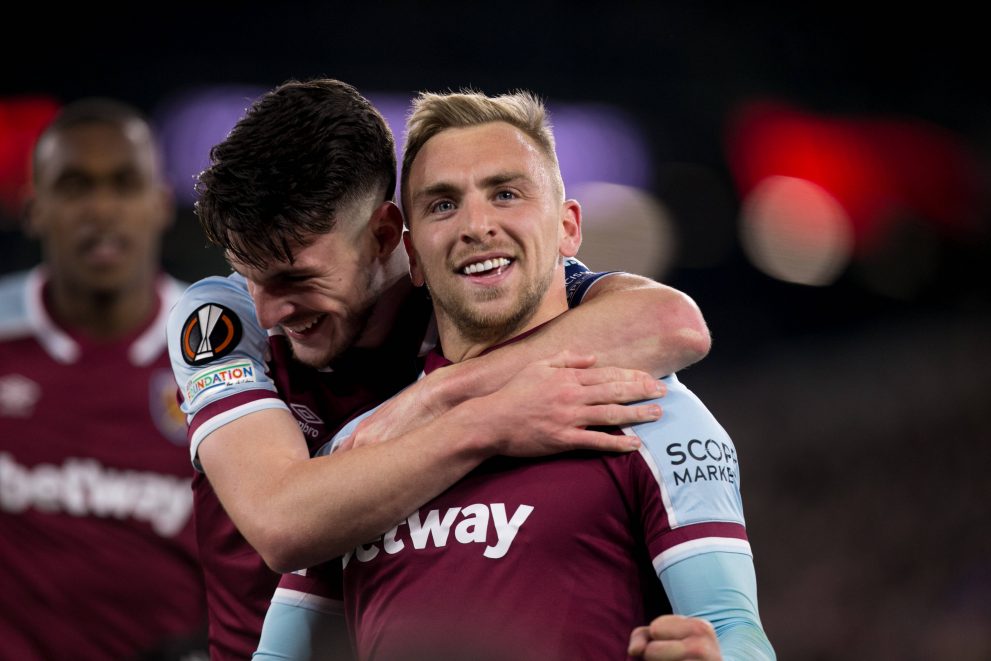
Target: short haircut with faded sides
[(432, 113), (302, 153)]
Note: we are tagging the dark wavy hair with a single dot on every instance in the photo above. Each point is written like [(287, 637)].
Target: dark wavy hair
[(301, 152)]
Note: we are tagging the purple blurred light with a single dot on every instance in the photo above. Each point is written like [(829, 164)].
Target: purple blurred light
[(594, 142), (191, 123), (600, 143)]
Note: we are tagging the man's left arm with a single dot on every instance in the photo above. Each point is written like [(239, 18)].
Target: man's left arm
[(691, 510), (714, 596)]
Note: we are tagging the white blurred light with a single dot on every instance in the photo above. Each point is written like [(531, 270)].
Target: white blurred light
[(794, 230), (624, 229)]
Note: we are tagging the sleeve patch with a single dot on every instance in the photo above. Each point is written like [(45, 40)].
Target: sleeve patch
[(211, 332), (218, 376)]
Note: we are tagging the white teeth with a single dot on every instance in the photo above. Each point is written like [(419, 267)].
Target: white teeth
[(305, 327), (487, 265)]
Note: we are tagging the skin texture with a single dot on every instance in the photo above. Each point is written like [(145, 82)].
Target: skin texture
[(502, 206), (323, 301), (99, 209), (675, 638)]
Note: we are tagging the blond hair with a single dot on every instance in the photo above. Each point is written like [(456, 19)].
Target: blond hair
[(432, 113)]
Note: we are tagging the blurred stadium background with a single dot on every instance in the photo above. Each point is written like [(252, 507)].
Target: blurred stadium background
[(816, 179)]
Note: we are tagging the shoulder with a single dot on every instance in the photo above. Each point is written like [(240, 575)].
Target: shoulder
[(578, 279), (231, 291), (692, 458), (215, 298), (14, 316), (683, 411), (216, 343)]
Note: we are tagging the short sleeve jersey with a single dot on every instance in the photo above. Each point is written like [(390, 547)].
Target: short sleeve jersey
[(552, 558), (97, 543), (227, 366)]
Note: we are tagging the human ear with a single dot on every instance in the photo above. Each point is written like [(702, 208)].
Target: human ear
[(571, 228), (415, 273), (387, 228)]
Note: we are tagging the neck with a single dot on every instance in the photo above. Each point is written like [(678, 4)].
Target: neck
[(395, 285), (103, 315), (458, 347)]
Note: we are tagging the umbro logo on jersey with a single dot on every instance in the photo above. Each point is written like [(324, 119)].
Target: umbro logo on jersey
[(305, 414), (211, 332), (307, 420)]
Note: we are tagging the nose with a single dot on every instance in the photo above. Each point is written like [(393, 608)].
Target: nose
[(271, 306), (101, 206), (477, 221)]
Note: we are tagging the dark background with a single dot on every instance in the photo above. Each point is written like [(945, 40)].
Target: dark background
[(861, 414)]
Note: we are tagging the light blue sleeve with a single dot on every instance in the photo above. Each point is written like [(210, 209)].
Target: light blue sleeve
[(218, 350), (300, 633), (345, 432), (694, 463), (721, 588), (213, 324)]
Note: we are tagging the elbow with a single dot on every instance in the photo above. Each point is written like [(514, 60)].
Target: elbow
[(695, 344), (286, 548), (283, 550), (695, 334), (687, 330), (281, 562)]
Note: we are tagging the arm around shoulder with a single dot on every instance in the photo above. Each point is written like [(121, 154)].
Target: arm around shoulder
[(660, 328)]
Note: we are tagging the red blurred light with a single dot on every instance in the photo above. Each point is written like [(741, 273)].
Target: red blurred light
[(22, 119), (879, 169)]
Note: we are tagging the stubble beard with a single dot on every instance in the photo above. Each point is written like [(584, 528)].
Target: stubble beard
[(340, 342), (478, 326), (336, 346)]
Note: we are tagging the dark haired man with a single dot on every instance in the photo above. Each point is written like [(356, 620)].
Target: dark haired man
[(299, 196), (97, 542)]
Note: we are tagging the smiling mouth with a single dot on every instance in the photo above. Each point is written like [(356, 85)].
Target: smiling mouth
[(301, 327), (486, 267), (103, 247)]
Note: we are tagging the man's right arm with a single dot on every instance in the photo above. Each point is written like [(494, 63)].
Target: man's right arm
[(297, 511)]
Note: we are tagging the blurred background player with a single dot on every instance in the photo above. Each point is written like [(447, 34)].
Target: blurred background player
[(96, 539)]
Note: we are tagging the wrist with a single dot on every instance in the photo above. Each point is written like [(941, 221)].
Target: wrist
[(477, 434), (450, 386)]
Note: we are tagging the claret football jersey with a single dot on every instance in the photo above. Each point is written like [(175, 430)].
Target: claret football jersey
[(227, 366), (552, 558), (97, 544)]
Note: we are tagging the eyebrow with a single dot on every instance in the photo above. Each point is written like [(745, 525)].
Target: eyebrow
[(501, 178), (280, 274), (80, 171), (491, 181)]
